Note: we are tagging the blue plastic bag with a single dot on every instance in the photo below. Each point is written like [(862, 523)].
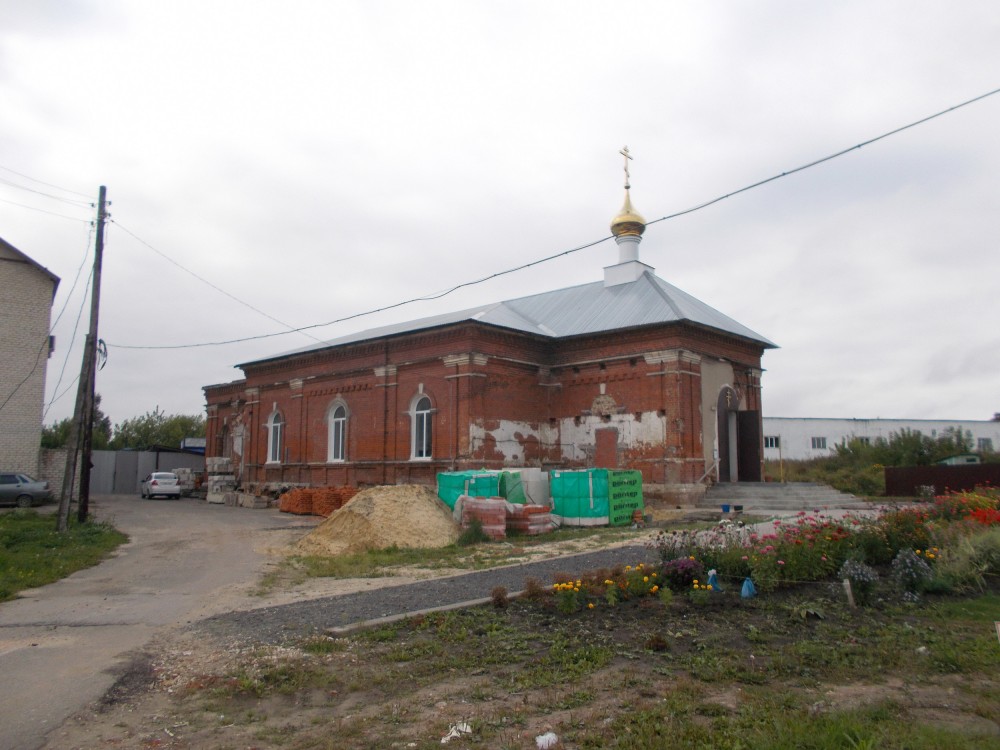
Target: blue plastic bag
[(749, 590), (713, 581)]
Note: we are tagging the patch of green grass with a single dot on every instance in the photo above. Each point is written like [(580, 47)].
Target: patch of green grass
[(33, 553), (264, 676)]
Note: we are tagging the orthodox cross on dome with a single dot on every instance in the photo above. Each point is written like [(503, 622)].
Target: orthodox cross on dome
[(624, 152)]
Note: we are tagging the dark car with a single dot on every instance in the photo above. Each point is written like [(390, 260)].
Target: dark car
[(22, 490)]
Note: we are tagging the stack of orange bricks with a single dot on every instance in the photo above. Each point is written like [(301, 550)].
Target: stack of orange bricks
[(315, 501), (529, 519)]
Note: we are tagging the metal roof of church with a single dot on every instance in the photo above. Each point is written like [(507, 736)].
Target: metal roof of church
[(574, 311)]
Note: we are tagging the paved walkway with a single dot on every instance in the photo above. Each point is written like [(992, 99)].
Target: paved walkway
[(61, 645)]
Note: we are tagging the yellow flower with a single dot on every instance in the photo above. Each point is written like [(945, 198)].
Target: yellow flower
[(654, 589), (696, 581), (690, 557), (590, 606), (653, 574), (645, 579), (918, 552), (930, 555), (628, 567), (709, 587)]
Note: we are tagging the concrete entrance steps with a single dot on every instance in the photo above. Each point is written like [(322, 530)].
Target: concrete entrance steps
[(779, 496)]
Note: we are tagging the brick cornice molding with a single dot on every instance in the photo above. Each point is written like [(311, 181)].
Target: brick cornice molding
[(671, 356), (457, 360)]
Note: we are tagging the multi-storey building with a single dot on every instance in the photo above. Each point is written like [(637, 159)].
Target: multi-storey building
[(27, 290)]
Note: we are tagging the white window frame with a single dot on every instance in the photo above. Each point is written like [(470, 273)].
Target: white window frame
[(275, 433), (422, 427), (337, 432), (772, 441), (818, 443), (984, 445)]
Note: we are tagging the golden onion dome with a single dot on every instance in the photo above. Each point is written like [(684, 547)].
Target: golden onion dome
[(628, 221)]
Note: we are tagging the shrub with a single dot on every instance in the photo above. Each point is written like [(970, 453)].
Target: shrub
[(680, 573), (955, 506), (862, 577), (499, 597), (986, 550), (911, 573), (472, 535)]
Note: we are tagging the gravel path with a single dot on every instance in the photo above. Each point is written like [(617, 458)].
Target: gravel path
[(288, 622)]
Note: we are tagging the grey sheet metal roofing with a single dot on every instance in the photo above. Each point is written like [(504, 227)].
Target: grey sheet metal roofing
[(574, 311)]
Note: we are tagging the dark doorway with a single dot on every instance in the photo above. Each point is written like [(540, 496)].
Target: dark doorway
[(748, 429), (726, 410)]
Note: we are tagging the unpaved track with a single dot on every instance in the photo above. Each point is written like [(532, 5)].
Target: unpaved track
[(61, 646)]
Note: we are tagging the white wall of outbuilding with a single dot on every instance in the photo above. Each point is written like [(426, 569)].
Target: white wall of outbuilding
[(796, 434)]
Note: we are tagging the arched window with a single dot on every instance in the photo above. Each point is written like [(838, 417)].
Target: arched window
[(275, 428), (337, 433), (423, 433)]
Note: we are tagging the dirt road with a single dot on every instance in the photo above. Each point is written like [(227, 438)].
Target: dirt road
[(61, 646)]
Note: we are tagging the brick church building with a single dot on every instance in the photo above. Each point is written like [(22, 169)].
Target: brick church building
[(625, 372)]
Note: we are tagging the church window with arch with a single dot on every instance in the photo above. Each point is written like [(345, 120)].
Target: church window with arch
[(275, 433), (337, 436), (422, 426)]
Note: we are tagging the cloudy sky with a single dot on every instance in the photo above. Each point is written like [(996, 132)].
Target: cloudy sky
[(274, 165)]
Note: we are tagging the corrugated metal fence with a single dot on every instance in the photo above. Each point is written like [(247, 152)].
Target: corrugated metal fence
[(909, 481), (119, 472)]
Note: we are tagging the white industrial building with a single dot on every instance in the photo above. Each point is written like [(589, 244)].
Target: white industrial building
[(794, 438)]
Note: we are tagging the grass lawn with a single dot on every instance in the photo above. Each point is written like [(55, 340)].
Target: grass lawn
[(795, 668), (33, 553)]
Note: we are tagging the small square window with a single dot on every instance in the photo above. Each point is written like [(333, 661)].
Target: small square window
[(984, 445), (865, 440), (772, 441), (819, 443)]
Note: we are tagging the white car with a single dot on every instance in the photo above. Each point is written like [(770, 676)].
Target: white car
[(163, 483)]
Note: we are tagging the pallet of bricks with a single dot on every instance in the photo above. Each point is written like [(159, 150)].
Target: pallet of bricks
[(497, 517), (220, 480), (315, 501), (529, 520)]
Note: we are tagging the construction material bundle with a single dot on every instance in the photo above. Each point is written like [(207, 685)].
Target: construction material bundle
[(315, 501)]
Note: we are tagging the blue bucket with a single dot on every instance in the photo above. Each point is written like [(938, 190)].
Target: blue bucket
[(725, 508)]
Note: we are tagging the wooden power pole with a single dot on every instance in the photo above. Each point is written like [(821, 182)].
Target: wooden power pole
[(82, 428)]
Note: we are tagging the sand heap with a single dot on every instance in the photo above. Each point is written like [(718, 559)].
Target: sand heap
[(403, 516)]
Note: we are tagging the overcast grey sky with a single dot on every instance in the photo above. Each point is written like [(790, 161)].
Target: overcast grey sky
[(320, 159)]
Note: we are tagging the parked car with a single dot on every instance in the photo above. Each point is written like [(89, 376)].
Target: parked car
[(163, 483), (22, 490)]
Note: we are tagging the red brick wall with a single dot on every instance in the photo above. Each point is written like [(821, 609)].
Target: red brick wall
[(521, 378)]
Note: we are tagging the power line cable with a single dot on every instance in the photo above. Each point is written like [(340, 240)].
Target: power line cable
[(69, 349), (47, 342), (68, 389), (291, 329), (47, 184), (684, 212), (42, 210), (826, 158), (69, 296), (70, 201), (38, 357)]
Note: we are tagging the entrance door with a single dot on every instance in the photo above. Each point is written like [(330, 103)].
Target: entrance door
[(748, 445), (727, 433), (606, 449)]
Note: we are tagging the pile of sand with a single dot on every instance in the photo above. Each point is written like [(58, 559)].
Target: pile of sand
[(403, 516)]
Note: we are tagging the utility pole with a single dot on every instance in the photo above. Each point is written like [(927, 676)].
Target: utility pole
[(82, 428)]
